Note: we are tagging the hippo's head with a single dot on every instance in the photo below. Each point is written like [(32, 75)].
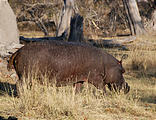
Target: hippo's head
[(114, 77)]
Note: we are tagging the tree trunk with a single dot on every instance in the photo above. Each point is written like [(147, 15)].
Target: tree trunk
[(9, 37), (76, 29), (154, 16), (129, 18), (153, 20), (64, 24), (134, 18)]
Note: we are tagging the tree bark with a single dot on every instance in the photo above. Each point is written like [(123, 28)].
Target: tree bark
[(128, 17), (9, 37), (153, 20), (76, 29), (135, 22), (154, 16), (64, 24)]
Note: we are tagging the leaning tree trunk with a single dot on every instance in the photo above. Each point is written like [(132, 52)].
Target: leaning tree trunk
[(134, 18), (153, 17), (9, 37), (153, 21), (64, 24)]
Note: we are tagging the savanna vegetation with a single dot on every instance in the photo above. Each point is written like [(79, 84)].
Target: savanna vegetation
[(102, 19)]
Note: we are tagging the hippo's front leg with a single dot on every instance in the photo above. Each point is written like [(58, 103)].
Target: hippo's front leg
[(78, 86)]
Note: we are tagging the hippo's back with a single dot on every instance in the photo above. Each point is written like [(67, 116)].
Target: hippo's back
[(59, 59)]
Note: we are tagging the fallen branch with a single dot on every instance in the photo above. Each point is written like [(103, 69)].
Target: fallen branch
[(113, 42), (24, 40), (98, 43)]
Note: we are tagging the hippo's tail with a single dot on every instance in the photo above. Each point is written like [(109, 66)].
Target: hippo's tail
[(11, 61)]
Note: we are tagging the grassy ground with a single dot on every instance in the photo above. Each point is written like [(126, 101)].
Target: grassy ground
[(49, 103)]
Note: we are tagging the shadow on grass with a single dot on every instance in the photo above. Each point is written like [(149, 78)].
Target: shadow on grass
[(149, 99), (8, 88), (142, 74), (9, 118)]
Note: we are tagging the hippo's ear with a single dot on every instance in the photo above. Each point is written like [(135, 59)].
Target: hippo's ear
[(124, 56)]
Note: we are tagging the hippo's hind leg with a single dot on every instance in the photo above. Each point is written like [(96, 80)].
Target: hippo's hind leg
[(78, 86), (19, 86), (110, 86)]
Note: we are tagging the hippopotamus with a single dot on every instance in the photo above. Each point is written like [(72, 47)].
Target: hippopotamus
[(68, 62)]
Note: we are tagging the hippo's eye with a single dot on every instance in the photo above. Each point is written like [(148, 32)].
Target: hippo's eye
[(119, 62), (123, 70)]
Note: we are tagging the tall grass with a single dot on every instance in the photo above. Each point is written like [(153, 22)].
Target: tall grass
[(49, 103)]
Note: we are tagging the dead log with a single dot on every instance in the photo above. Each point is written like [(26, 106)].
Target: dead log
[(24, 40), (110, 43), (120, 42)]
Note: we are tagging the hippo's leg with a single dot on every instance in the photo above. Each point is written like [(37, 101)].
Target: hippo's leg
[(78, 86), (110, 86), (115, 87), (104, 89), (19, 88), (101, 86)]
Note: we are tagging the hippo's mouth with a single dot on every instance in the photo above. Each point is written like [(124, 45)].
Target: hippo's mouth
[(126, 87)]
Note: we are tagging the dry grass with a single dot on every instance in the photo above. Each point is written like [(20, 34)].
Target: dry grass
[(50, 103), (46, 102)]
